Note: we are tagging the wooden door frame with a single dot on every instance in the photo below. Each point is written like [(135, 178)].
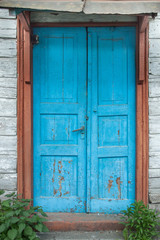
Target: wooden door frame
[(24, 102)]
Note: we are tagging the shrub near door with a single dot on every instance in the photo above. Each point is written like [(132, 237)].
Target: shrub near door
[(19, 220)]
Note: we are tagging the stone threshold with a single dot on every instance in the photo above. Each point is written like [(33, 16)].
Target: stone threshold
[(83, 222)]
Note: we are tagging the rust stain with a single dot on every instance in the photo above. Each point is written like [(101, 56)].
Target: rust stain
[(60, 167), (129, 181), (111, 176), (53, 134), (54, 164), (119, 187), (66, 193), (109, 185), (55, 191), (118, 132), (92, 197), (60, 185)]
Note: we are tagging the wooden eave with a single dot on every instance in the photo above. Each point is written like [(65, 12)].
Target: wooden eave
[(87, 6)]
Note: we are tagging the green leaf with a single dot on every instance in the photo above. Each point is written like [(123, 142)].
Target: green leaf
[(45, 229), (28, 231), (6, 203), (39, 227), (12, 234), (21, 227), (9, 214), (10, 195), (25, 214), (2, 227), (33, 236), (2, 192), (14, 220), (42, 213), (17, 212)]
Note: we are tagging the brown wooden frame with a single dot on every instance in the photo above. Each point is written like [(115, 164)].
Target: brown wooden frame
[(24, 122)]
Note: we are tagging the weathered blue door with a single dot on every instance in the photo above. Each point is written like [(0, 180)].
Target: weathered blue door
[(59, 108), (84, 119), (111, 76)]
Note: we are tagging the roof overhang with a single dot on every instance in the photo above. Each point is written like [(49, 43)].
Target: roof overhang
[(87, 6)]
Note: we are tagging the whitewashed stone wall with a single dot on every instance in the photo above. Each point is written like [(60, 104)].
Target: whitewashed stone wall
[(154, 113), (8, 101)]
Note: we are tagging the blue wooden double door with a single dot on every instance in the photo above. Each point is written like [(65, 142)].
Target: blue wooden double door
[(84, 119)]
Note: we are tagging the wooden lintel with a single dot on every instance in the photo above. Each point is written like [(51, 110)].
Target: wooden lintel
[(143, 23)]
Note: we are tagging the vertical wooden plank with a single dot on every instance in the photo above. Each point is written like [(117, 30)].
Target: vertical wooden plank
[(143, 22), (20, 182), (145, 125), (142, 119), (142, 65), (139, 144), (27, 112), (24, 111), (27, 57)]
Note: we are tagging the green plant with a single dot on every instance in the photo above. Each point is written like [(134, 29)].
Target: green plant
[(19, 220), (140, 222)]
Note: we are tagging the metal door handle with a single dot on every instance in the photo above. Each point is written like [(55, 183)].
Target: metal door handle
[(80, 129)]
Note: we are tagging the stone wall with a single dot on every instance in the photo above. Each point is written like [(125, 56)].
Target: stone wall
[(8, 101), (154, 112)]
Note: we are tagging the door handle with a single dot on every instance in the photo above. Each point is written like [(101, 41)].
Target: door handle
[(79, 129)]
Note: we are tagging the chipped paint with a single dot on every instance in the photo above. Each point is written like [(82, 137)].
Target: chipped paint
[(66, 193), (60, 167), (54, 168), (60, 185), (55, 191), (53, 134), (119, 187), (109, 185)]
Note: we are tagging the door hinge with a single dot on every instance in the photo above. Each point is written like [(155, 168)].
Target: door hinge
[(35, 39)]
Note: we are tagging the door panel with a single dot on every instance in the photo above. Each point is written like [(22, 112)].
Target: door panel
[(59, 100), (111, 58)]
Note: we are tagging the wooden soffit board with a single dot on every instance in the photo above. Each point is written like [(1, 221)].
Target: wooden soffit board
[(87, 6)]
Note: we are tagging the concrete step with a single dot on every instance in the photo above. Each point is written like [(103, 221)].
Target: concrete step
[(83, 222), (81, 235)]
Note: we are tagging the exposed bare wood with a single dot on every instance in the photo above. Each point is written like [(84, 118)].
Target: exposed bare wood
[(57, 17)]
